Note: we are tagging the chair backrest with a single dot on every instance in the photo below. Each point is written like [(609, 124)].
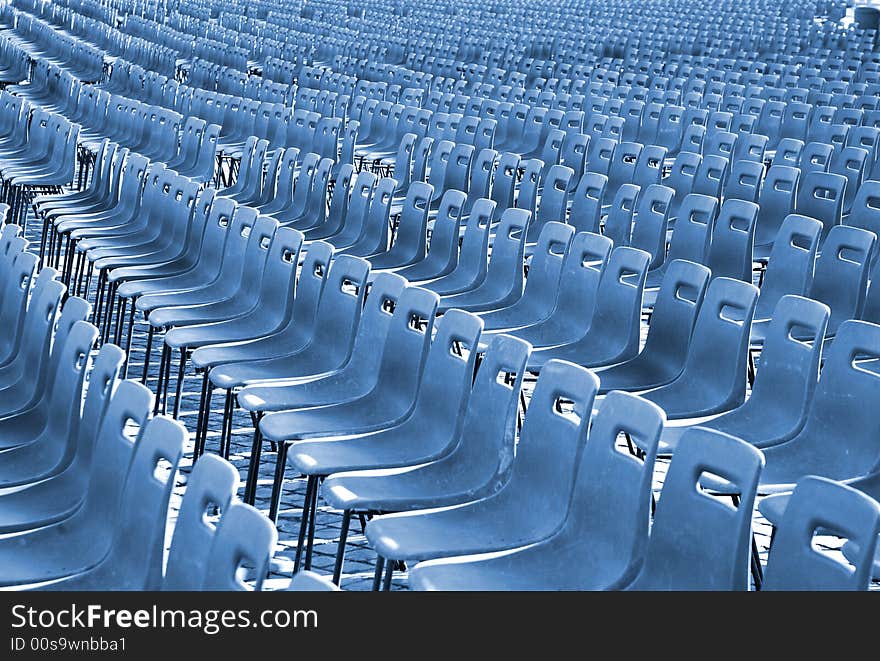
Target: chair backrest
[(623, 164), (68, 368), (790, 356), (693, 228), (618, 224), (124, 423), (851, 162), (681, 178), (816, 157), (489, 429), (586, 205), (527, 198), (553, 200), (552, 439), (649, 232), (844, 400), (711, 176), (244, 536), (135, 558), (820, 196), (819, 506), (865, 212), (840, 278), (210, 489), (17, 286), (744, 181), (582, 270), (675, 311), (791, 264), (723, 321), (504, 181), (788, 152), (649, 166), (733, 240), (776, 201), (611, 499), (698, 541)]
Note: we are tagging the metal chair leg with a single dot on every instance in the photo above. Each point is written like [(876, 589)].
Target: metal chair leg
[(340, 548)]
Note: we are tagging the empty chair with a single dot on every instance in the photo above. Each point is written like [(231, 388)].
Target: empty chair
[(851, 162), (838, 439), (697, 541), (820, 506), (652, 216), (783, 390), (744, 182), (816, 157), (711, 176), (612, 334), (619, 222), (681, 178), (865, 211), (733, 239), (545, 269), (211, 485), (669, 335), (541, 475), (714, 376), (788, 152), (776, 201), (606, 480), (503, 284), (244, 535), (790, 267), (587, 201), (820, 196)]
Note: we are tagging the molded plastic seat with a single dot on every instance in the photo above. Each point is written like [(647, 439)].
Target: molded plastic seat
[(58, 497), (212, 484), (316, 353), (733, 239), (550, 445), (820, 196), (576, 296), (838, 439), (470, 270), (134, 559), (503, 284), (744, 181), (698, 542), (783, 390), (651, 219), (79, 543), (244, 535), (669, 335), (790, 267), (714, 376), (538, 297), (613, 332), (690, 239), (776, 201), (478, 465), (822, 506), (610, 506)]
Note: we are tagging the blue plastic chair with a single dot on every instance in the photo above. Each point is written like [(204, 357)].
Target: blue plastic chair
[(783, 389), (542, 474), (822, 506), (610, 506), (714, 376), (697, 541)]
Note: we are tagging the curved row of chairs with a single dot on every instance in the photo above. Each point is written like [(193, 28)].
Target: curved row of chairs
[(544, 209)]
